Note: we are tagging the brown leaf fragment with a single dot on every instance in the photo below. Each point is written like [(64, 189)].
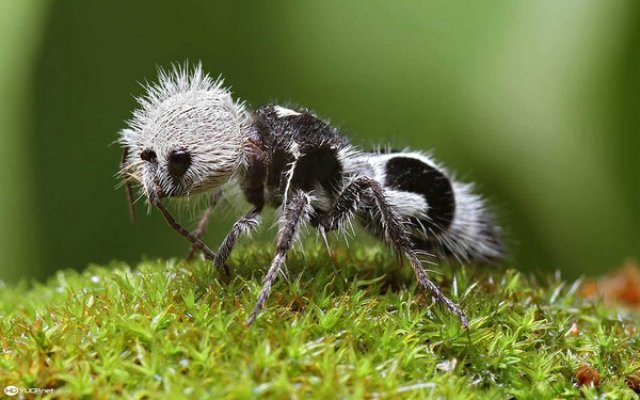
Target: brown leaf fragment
[(619, 287), (574, 330), (587, 375), (633, 381), (589, 289)]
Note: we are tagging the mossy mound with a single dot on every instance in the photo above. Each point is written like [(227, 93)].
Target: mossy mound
[(352, 325)]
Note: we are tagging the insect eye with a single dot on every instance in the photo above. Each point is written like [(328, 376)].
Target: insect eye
[(179, 163), (148, 155)]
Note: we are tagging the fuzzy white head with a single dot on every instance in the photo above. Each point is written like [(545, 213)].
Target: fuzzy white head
[(186, 137)]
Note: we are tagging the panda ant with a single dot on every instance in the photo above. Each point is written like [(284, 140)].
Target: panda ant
[(190, 136)]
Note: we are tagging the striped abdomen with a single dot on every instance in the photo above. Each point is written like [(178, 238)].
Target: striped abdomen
[(444, 217)]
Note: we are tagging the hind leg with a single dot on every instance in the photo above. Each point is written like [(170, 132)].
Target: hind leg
[(369, 192)]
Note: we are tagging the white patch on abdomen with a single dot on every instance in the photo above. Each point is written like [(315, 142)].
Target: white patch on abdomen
[(406, 203)]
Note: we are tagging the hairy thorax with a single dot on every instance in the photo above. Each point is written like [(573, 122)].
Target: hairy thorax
[(289, 151)]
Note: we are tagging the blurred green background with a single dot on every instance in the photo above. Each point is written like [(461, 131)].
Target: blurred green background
[(538, 102)]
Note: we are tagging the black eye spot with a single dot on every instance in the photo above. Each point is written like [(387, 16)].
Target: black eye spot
[(148, 155), (179, 163)]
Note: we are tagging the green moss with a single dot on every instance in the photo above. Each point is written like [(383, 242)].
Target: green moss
[(349, 326)]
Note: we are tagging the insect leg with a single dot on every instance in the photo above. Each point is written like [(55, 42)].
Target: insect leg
[(393, 228), (244, 225), (295, 212), (201, 228), (208, 254), (347, 203)]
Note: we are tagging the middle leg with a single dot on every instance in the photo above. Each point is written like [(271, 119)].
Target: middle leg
[(204, 221), (243, 226), (294, 213)]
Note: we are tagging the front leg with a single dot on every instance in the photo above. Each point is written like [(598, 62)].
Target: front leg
[(208, 254), (294, 213), (364, 189), (243, 226)]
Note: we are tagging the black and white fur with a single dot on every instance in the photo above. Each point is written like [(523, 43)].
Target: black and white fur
[(189, 136)]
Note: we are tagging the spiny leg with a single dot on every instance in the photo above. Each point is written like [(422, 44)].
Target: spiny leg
[(199, 232), (201, 228), (208, 254), (347, 203), (243, 226), (294, 214), (394, 230), (391, 223)]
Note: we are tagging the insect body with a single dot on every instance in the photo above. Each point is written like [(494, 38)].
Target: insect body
[(190, 136)]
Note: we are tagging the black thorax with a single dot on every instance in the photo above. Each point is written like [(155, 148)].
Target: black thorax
[(297, 142)]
